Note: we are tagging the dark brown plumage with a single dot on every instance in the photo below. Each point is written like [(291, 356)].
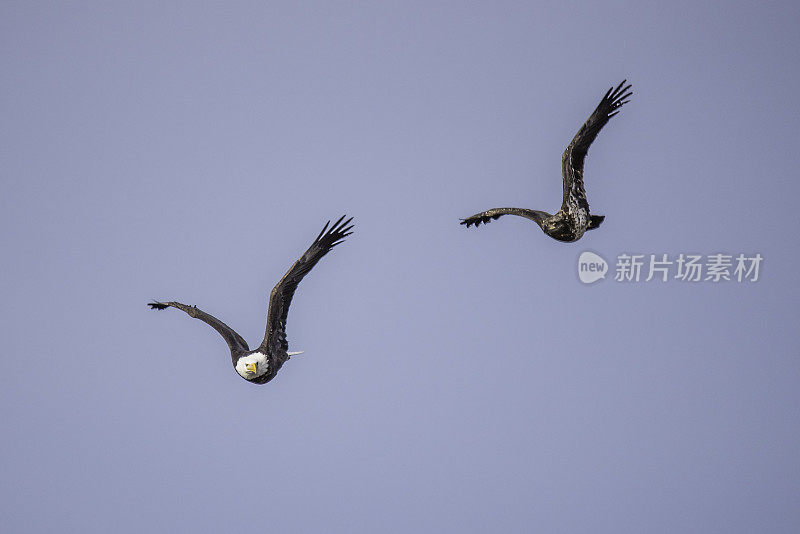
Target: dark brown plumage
[(272, 353), (573, 219)]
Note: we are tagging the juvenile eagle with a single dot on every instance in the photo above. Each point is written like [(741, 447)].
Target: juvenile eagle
[(261, 365), (573, 219)]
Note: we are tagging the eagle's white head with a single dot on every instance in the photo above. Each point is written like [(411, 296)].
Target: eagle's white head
[(252, 365)]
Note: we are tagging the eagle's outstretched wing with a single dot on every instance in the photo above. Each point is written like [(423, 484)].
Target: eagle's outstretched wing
[(488, 216), (575, 154), (235, 342), (281, 296)]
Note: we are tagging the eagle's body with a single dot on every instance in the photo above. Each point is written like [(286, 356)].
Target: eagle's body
[(573, 219), (261, 365)]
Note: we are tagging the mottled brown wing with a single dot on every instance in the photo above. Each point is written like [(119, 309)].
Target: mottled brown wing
[(575, 154)]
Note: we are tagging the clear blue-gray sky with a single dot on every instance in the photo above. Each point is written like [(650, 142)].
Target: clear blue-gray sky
[(454, 380)]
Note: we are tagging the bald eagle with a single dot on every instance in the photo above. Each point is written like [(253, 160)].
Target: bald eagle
[(573, 219), (261, 365)]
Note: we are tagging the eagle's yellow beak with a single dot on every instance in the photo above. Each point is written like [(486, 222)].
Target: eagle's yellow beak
[(251, 367)]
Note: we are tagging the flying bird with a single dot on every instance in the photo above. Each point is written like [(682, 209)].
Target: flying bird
[(261, 365), (573, 219)]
